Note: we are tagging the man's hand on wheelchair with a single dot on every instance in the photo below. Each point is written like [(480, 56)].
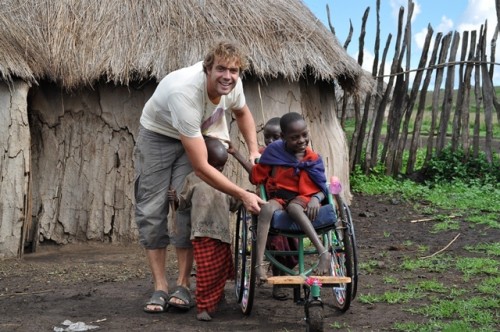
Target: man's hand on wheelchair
[(252, 202), (313, 208)]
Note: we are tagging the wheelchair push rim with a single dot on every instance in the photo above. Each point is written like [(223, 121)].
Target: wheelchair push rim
[(244, 261)]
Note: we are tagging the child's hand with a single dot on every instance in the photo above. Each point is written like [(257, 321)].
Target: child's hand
[(172, 195), (313, 208), (231, 149)]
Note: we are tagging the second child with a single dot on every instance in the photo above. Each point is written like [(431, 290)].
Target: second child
[(210, 232)]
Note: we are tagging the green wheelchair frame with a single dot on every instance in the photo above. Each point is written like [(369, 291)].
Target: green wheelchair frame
[(338, 237)]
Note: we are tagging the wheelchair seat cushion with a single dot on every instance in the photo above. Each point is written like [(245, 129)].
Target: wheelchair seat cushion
[(282, 223)]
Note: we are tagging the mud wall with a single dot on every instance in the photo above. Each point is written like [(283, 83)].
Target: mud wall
[(14, 167), (82, 143)]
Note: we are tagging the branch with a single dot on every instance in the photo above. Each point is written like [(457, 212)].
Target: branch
[(429, 219), (441, 65), (439, 251), (27, 293)]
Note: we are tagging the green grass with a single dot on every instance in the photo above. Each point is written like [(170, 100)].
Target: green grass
[(456, 196), (491, 249), (472, 305), (473, 266)]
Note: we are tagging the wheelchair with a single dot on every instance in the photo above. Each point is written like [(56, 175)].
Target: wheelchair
[(335, 226)]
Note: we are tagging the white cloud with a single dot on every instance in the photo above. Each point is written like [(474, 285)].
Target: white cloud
[(396, 4), (477, 12), (369, 58), (445, 26), (419, 38)]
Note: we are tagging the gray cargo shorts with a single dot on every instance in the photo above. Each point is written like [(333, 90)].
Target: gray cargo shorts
[(160, 161)]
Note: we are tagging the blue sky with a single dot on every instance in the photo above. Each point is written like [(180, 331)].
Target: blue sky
[(443, 16)]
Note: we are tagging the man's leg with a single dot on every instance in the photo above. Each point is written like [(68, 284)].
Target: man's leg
[(185, 264), (156, 259), (183, 249), (182, 228)]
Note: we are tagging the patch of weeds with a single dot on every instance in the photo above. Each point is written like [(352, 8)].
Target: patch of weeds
[(488, 219), (456, 292), (423, 248), (491, 249), (432, 286), (407, 326), (339, 326), (428, 211), (408, 243), (387, 234), (377, 183), (447, 225), (470, 266), (390, 280), (489, 286), (433, 326), (460, 196), (400, 296), (477, 311), (434, 264), (369, 298), (392, 297), (368, 267)]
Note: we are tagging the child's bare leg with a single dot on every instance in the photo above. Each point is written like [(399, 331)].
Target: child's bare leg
[(296, 212), (264, 222), (204, 316)]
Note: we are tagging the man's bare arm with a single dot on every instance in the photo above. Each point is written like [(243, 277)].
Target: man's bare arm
[(197, 154)]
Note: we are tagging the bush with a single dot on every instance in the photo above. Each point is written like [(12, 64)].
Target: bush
[(449, 166)]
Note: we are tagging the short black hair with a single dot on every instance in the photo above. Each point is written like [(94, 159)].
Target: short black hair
[(217, 152), (289, 118), (273, 122)]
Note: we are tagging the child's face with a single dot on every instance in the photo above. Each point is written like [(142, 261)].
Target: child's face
[(271, 133), (296, 137)]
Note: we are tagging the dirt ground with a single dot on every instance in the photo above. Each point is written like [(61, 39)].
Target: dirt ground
[(106, 285)]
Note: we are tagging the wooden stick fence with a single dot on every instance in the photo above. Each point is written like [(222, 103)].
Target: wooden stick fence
[(402, 107)]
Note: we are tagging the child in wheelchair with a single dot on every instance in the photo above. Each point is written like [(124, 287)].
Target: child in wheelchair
[(272, 132), (210, 232), (294, 179)]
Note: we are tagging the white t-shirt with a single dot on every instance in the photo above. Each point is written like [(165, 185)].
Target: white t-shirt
[(180, 104)]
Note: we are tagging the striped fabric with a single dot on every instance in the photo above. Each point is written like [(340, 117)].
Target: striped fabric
[(214, 265)]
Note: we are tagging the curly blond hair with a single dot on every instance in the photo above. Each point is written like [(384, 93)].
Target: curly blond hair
[(226, 50)]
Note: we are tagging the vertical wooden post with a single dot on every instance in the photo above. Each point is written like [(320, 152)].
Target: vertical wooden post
[(477, 91), (358, 134), (423, 93), (435, 96), (448, 95), (466, 95), (457, 116)]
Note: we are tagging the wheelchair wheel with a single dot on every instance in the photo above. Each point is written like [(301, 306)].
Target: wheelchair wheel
[(244, 260), (315, 319), (350, 229), (343, 260)]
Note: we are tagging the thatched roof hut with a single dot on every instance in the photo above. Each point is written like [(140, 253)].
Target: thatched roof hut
[(74, 76)]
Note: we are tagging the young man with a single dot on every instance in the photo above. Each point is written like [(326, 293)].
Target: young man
[(187, 104)]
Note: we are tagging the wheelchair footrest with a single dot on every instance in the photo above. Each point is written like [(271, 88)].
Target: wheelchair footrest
[(299, 280)]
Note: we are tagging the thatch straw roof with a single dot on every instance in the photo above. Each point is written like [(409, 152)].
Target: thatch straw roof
[(77, 42)]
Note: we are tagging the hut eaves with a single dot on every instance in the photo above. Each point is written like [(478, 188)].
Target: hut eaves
[(76, 42)]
